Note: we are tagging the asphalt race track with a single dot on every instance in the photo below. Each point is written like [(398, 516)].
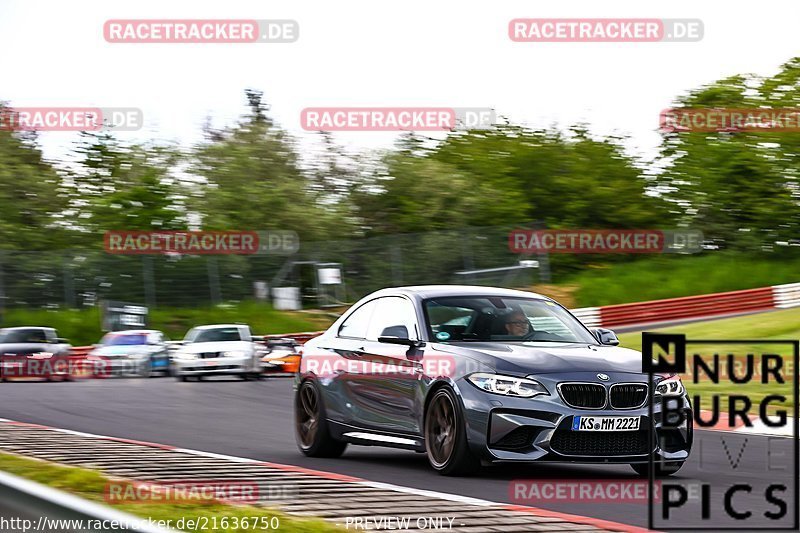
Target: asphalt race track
[(254, 420)]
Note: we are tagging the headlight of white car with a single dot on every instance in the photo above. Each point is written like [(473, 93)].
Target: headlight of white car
[(184, 356), (235, 353), (670, 386), (507, 385)]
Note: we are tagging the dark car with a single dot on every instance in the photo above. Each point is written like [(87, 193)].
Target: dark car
[(474, 375), (34, 352)]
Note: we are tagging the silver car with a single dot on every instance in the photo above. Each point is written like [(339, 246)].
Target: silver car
[(221, 349), (140, 352)]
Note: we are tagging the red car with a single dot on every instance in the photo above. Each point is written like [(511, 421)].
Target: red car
[(34, 352)]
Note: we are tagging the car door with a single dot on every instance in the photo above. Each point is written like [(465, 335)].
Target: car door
[(385, 391), (335, 360)]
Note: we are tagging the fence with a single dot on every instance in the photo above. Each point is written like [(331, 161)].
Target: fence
[(82, 278)]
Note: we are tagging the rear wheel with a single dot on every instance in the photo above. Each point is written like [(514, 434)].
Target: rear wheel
[(662, 469), (446, 436), (311, 429)]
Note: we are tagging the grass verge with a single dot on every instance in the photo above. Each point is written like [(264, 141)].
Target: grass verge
[(671, 276), (90, 485)]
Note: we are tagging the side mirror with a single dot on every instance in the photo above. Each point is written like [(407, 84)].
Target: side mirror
[(396, 335), (606, 336), (397, 340)]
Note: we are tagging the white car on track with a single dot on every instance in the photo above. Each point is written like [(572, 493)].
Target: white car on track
[(219, 349)]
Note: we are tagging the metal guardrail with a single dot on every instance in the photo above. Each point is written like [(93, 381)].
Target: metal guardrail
[(54, 510), (787, 295), (687, 307)]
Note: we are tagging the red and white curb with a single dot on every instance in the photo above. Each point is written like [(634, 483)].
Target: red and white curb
[(494, 513)]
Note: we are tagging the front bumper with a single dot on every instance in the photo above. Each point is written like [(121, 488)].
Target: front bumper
[(118, 366), (507, 429), (216, 365)]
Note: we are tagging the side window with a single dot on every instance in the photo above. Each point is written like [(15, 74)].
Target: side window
[(395, 313), (355, 326)]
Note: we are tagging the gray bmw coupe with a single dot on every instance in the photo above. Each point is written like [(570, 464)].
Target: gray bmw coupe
[(478, 375)]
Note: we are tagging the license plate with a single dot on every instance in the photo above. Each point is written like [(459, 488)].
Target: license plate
[(605, 423)]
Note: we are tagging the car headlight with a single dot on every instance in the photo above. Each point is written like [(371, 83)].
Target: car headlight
[(670, 386), (235, 353), (507, 385), (185, 355)]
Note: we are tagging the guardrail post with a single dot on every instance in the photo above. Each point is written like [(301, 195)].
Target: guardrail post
[(2, 288), (69, 286), (149, 284), (213, 281)]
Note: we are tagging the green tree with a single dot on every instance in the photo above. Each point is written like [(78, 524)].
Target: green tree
[(251, 179), (30, 203)]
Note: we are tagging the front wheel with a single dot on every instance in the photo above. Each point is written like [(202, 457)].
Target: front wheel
[(662, 469), (311, 429), (446, 436)]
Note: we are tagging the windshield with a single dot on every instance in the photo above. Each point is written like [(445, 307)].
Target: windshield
[(130, 339), (22, 335), (491, 318), (214, 335)]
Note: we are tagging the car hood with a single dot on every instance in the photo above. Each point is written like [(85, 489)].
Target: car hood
[(28, 347), (106, 351), (223, 346), (536, 358)]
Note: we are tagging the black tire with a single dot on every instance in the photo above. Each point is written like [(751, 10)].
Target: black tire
[(182, 379), (310, 426), (662, 469), (446, 436)]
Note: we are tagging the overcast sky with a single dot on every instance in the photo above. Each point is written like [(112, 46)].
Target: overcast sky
[(450, 53)]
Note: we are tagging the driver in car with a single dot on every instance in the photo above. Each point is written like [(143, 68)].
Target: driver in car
[(517, 324)]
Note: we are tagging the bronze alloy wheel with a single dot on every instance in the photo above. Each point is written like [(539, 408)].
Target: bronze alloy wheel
[(440, 429), (307, 414)]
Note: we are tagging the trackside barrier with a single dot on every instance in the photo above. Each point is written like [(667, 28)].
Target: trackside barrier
[(786, 295), (590, 316), (687, 307), (632, 314)]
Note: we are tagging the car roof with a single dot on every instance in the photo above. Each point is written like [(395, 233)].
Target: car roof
[(438, 291), (133, 332), (214, 326), (28, 327)]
